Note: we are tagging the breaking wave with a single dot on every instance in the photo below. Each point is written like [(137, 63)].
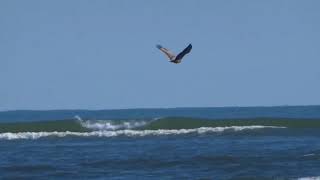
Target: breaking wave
[(111, 125), (202, 130), (143, 127)]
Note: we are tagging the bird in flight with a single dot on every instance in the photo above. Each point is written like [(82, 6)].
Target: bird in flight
[(173, 58)]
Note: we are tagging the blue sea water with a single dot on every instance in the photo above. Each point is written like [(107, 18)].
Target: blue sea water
[(178, 143)]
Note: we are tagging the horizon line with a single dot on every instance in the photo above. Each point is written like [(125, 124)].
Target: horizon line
[(146, 108)]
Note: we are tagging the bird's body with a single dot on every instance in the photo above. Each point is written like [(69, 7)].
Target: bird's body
[(173, 58)]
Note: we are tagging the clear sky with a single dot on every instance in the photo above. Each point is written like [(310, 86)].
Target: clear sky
[(100, 54)]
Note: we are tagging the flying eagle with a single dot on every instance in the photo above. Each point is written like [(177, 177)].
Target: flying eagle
[(173, 58)]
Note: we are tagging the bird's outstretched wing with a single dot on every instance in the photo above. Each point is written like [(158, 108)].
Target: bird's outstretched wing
[(184, 52), (170, 55)]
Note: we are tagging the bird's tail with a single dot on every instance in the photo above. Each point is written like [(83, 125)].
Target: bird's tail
[(158, 46)]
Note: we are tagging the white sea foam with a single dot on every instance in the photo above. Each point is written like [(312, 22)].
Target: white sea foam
[(310, 178), (127, 132), (110, 125), (305, 155)]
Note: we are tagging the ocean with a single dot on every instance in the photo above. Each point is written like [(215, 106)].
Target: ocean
[(174, 143)]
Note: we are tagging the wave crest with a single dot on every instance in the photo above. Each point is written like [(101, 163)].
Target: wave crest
[(126, 132), (110, 125)]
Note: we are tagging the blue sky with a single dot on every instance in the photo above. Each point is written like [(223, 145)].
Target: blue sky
[(98, 54)]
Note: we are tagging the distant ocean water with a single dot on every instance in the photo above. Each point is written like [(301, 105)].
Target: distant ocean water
[(178, 143)]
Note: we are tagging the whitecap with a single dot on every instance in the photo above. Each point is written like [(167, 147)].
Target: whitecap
[(309, 178), (111, 125), (127, 132)]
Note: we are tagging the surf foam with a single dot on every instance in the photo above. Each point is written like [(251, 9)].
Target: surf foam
[(127, 132), (310, 178), (110, 125)]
